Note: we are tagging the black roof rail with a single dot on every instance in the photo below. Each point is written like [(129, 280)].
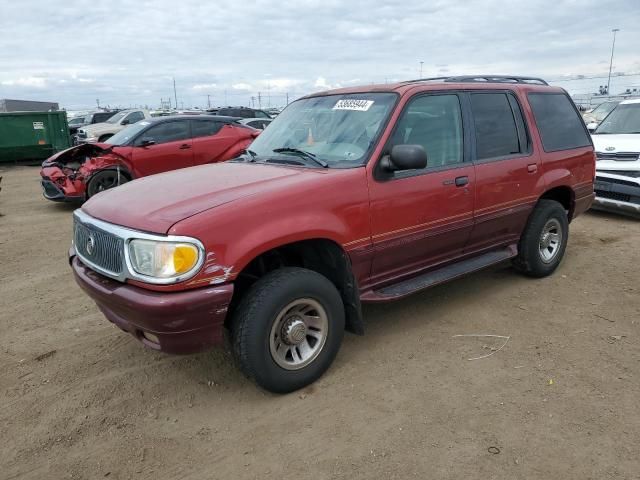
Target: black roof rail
[(485, 79)]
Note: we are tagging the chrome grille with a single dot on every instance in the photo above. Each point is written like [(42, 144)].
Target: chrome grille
[(99, 248), (620, 156)]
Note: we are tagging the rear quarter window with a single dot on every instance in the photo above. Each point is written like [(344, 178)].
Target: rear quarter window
[(559, 124)]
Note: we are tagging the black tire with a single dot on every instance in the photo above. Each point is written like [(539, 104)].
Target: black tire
[(105, 137), (533, 248), (105, 180), (255, 319)]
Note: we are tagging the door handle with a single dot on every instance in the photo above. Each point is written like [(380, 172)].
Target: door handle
[(461, 181), (532, 168), (185, 146)]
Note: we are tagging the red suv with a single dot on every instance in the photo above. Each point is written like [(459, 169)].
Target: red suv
[(363, 194), (144, 148)]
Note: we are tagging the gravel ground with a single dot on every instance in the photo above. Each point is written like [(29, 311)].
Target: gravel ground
[(81, 399)]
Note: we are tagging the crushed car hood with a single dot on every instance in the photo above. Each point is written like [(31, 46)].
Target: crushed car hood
[(157, 202), (79, 153)]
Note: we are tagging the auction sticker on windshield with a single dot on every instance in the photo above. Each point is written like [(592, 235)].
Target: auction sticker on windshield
[(353, 104)]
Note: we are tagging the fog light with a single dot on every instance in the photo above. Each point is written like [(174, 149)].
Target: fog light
[(151, 337)]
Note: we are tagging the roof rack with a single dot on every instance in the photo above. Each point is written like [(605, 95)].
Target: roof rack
[(484, 79)]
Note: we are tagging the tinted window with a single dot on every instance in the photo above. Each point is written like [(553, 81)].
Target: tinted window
[(166, 132), (102, 117), (435, 122), (495, 124), (205, 128), (134, 117), (260, 114), (560, 126)]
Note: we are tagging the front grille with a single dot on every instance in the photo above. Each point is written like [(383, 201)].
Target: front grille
[(98, 247), (619, 181), (621, 197), (620, 157)]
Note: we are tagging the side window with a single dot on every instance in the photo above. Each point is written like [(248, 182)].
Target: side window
[(205, 128), (435, 122), (134, 117), (261, 114), (558, 122), (166, 132), (495, 125)]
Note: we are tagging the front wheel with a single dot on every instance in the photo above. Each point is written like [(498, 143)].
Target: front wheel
[(544, 240), (288, 328), (104, 181)]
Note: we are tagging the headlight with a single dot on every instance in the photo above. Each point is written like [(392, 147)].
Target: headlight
[(163, 260)]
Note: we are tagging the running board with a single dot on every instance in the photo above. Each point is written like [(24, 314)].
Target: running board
[(440, 275)]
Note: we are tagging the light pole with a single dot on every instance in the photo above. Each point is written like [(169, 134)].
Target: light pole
[(613, 46), (421, 63)]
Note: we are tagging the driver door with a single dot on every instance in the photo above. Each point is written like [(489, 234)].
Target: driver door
[(420, 218), (171, 148)]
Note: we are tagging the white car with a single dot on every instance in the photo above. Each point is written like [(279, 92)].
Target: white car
[(617, 146), (99, 132)]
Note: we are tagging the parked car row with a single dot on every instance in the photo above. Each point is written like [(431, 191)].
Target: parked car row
[(149, 146), (89, 119)]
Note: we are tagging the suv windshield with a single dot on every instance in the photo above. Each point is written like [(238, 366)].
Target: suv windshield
[(125, 136), (337, 129), (116, 118), (624, 119), (602, 110)]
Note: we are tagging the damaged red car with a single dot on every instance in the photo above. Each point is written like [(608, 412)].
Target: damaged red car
[(144, 148)]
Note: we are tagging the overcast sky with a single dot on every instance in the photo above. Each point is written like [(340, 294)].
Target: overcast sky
[(127, 53)]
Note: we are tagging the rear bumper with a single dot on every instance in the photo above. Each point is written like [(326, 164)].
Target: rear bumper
[(182, 322)]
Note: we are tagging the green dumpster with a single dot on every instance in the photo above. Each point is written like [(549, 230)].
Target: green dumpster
[(32, 135)]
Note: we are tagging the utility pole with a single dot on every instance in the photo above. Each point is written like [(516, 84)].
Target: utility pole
[(208, 100), (421, 63), (98, 102), (175, 95), (259, 100), (615, 30)]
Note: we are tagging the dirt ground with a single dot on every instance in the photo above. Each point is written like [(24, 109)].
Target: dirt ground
[(80, 399)]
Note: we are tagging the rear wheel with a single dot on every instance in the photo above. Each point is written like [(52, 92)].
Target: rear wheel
[(288, 328), (544, 240), (104, 181)]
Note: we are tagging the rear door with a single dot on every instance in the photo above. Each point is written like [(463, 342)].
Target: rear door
[(508, 170), (423, 217), (211, 139), (171, 148)]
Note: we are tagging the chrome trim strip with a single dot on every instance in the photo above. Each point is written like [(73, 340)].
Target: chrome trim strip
[(127, 235)]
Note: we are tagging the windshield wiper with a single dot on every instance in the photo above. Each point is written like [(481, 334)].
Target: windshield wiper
[(307, 155)]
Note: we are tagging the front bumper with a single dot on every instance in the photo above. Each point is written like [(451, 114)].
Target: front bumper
[(53, 191), (617, 193), (182, 322)]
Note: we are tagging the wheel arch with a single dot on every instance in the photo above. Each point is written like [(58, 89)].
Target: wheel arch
[(564, 195), (320, 254)]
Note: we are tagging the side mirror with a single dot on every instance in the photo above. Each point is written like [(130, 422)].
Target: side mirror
[(125, 122), (145, 142), (592, 127), (405, 157)]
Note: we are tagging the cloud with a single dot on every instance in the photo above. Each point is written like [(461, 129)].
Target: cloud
[(36, 82), (233, 53)]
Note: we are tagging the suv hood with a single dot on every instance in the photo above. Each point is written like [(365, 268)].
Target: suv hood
[(98, 128), (157, 202), (608, 146), (616, 143)]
